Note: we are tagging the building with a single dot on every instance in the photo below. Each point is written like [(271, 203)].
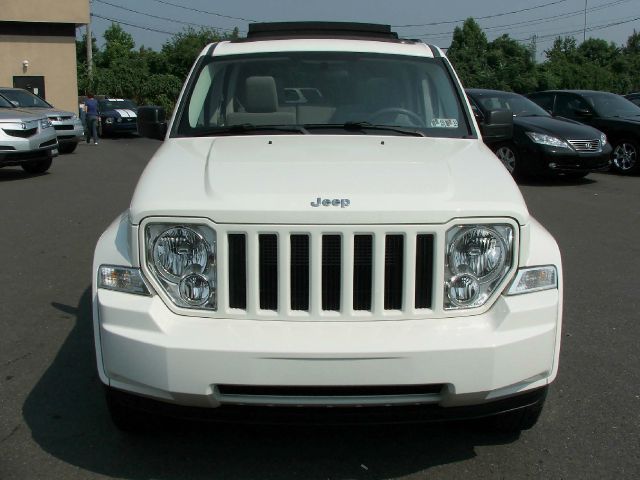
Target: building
[(38, 49)]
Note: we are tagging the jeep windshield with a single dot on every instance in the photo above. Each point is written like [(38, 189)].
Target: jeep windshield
[(321, 93)]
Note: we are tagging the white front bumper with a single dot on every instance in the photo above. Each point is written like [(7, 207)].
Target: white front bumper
[(144, 348)]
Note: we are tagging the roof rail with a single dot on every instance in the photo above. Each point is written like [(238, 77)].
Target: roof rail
[(259, 31)]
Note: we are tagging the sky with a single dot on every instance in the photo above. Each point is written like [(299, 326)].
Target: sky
[(151, 22)]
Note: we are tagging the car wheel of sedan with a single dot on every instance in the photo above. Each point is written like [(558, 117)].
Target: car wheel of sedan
[(67, 147), (508, 155), (36, 167), (625, 156)]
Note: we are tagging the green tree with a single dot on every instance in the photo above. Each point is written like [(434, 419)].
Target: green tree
[(468, 53)]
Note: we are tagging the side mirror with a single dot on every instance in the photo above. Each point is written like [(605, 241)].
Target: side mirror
[(582, 112), (497, 126), (152, 122)]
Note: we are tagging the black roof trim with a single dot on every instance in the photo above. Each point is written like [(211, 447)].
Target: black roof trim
[(434, 50), (260, 31), (211, 48)]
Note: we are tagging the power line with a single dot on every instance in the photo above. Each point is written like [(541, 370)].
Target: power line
[(477, 18), (204, 11), (536, 21), (114, 20), (164, 18)]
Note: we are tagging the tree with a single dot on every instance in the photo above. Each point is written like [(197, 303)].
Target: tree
[(468, 53)]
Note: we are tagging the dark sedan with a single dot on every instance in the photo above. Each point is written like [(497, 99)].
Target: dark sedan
[(117, 115), (541, 144), (634, 97), (612, 114)]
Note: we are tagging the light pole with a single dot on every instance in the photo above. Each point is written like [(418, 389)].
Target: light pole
[(584, 29)]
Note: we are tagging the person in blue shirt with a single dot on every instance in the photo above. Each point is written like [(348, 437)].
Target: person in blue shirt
[(91, 109)]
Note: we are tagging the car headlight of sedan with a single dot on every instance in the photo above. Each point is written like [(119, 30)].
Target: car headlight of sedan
[(478, 258), (108, 120), (45, 123), (603, 139), (548, 140), (182, 258)]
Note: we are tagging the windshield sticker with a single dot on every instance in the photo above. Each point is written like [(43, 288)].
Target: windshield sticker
[(444, 123)]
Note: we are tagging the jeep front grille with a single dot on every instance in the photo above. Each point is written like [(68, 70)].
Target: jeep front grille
[(330, 272), (585, 145)]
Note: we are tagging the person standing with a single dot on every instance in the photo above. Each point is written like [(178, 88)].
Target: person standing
[(91, 110)]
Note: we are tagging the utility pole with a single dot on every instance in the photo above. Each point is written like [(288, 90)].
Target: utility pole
[(89, 42), (584, 29)]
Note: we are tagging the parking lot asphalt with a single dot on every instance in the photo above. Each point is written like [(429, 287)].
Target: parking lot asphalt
[(53, 419)]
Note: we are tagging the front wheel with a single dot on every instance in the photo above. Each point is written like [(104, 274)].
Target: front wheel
[(625, 156), (67, 147), (515, 421), (510, 158), (38, 166)]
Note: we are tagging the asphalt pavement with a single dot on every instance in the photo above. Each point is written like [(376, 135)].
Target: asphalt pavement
[(53, 419)]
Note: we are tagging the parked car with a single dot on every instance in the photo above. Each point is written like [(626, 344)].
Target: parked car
[(116, 116), (634, 97), (612, 114), (542, 144), (367, 252), (26, 140), (67, 125)]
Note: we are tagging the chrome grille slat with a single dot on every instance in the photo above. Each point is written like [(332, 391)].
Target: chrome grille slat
[(585, 145)]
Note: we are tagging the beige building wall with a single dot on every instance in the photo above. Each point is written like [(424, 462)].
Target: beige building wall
[(54, 58), (56, 11)]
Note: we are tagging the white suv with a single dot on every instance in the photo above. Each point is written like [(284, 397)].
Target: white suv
[(362, 248)]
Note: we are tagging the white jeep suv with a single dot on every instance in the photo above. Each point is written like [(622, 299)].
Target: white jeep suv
[(360, 248)]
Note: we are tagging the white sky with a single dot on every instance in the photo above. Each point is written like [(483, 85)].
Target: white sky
[(545, 18)]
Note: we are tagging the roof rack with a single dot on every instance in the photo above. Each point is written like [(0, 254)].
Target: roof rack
[(259, 31)]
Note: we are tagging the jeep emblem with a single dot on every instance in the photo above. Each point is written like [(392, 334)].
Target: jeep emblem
[(331, 202)]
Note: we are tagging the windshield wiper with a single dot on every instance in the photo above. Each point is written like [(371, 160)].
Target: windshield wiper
[(249, 127), (364, 125)]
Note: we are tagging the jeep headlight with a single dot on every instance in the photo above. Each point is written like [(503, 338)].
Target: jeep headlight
[(477, 259), (182, 258)]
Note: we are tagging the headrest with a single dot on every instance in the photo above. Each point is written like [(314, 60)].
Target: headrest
[(261, 95)]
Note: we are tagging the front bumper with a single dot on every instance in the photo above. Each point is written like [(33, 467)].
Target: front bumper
[(544, 159), (145, 349), (17, 150), (127, 125), (69, 131)]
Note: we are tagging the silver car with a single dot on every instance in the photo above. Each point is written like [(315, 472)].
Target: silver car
[(26, 139), (68, 126)]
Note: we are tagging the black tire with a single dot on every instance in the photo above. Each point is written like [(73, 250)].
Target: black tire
[(515, 421), (37, 166), (124, 417), (511, 158), (624, 156), (67, 147)]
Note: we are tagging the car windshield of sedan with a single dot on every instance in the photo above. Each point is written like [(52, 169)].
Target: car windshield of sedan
[(24, 99), (115, 104), (519, 105), (5, 103), (322, 92), (612, 105)]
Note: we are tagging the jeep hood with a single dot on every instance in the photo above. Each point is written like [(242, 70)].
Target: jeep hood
[(275, 179)]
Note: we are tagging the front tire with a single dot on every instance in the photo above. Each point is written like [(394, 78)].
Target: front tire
[(38, 166), (124, 417), (508, 154), (625, 156), (515, 421), (67, 147)]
